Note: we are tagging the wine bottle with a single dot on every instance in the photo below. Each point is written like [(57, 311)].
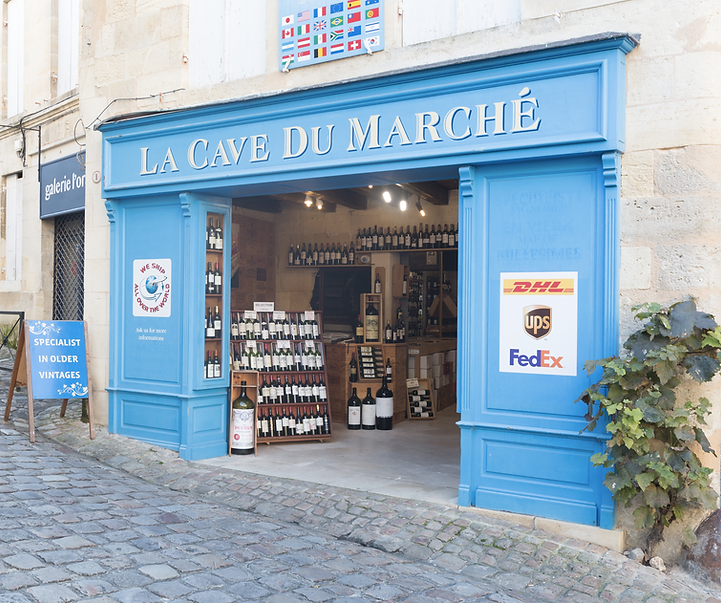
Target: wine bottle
[(322, 389), (216, 366), (315, 254), (394, 238), (354, 411), (359, 330), (326, 257), (209, 370), (387, 239), (389, 371), (279, 431), (303, 254), (208, 282), (267, 359), (377, 285), (291, 255), (353, 370), (368, 411), (291, 422), (432, 236), (211, 235), (265, 432), (287, 391), (408, 237), (295, 390), (243, 423), (326, 420), (265, 391), (388, 335), (351, 255), (384, 406), (219, 237), (210, 325), (374, 238), (217, 324), (372, 328), (426, 238)]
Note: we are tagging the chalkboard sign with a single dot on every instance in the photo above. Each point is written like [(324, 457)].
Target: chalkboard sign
[(52, 360)]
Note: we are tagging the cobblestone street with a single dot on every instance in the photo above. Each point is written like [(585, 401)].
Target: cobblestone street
[(127, 522)]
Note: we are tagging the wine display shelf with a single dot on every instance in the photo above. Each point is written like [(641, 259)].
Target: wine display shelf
[(415, 385), (214, 362), (254, 384)]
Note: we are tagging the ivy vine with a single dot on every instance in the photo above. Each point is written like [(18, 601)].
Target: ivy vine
[(652, 450)]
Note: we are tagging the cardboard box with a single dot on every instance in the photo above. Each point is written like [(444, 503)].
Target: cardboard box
[(424, 373), (425, 363)]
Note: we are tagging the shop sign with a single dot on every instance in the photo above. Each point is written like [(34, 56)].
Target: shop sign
[(58, 362), (151, 288), (538, 323), (62, 186)]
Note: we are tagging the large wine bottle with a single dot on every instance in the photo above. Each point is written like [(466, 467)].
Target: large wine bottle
[(243, 423), (354, 411), (384, 406), (372, 326), (368, 411)]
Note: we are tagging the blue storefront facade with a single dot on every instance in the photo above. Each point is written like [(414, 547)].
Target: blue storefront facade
[(534, 139)]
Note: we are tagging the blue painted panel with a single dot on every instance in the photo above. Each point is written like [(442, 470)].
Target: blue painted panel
[(538, 462), (558, 101), (151, 345), (155, 419), (207, 426)]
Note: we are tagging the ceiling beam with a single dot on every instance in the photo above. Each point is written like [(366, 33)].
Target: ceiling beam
[(266, 204), (345, 197)]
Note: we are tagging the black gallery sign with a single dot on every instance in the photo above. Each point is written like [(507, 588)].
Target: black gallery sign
[(62, 186)]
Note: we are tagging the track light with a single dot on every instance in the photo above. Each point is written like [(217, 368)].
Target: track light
[(403, 205), (319, 203), (386, 196), (308, 201), (420, 209)]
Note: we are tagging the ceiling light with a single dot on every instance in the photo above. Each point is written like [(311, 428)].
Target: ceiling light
[(319, 203), (403, 205), (370, 186), (308, 201), (386, 196)]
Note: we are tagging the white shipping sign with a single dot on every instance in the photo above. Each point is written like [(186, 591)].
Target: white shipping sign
[(538, 330), (151, 287)]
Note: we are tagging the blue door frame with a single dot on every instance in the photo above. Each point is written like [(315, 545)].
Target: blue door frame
[(555, 115)]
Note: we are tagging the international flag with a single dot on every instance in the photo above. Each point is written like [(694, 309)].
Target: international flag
[(336, 8), (336, 34), (304, 56), (304, 16), (336, 21), (354, 17), (303, 29), (373, 26), (303, 43), (353, 4), (286, 33), (320, 25), (287, 20), (373, 41), (320, 52), (287, 46), (354, 31), (371, 2), (354, 45), (372, 13), (319, 12), (336, 48), (288, 59), (320, 39)]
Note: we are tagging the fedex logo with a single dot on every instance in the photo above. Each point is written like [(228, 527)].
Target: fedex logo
[(542, 359)]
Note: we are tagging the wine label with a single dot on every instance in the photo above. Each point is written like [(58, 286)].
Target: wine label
[(354, 415), (309, 315), (243, 428), (368, 414), (384, 407)]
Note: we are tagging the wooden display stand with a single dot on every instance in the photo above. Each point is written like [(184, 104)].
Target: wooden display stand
[(421, 384), (340, 388), (214, 299), (253, 380)]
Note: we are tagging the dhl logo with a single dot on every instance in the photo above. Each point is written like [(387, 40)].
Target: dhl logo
[(562, 286)]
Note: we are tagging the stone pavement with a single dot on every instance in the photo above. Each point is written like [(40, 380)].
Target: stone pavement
[(294, 540)]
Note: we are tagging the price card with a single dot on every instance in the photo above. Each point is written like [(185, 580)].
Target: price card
[(310, 345), (278, 315), (250, 314), (284, 345), (309, 315), (264, 306), (411, 383), (250, 344)]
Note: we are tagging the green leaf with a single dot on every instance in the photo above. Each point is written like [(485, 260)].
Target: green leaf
[(703, 440), (652, 414), (668, 397), (684, 433), (688, 537), (640, 344), (665, 370), (675, 462), (645, 479), (655, 497), (701, 368), (644, 517), (599, 459)]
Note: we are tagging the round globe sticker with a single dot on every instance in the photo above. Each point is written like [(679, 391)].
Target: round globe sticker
[(151, 287)]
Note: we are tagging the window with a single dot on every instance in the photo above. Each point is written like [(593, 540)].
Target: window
[(16, 55), (425, 20), (226, 40), (68, 44), (13, 227)]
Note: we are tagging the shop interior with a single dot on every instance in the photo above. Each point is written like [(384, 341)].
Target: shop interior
[(331, 255)]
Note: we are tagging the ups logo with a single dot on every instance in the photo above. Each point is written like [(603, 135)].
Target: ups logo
[(537, 321)]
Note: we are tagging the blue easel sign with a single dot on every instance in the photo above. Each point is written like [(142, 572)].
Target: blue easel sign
[(57, 359)]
